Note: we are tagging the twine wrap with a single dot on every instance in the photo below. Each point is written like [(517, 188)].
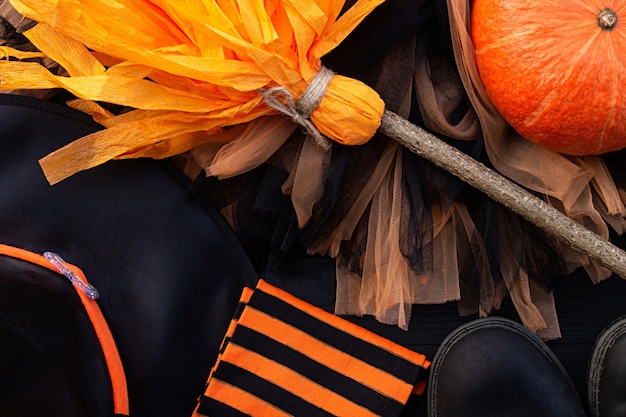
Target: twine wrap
[(300, 112)]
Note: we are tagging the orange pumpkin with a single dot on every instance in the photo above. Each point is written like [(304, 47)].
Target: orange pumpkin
[(556, 69)]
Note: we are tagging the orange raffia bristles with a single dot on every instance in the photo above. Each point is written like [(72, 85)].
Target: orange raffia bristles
[(187, 69)]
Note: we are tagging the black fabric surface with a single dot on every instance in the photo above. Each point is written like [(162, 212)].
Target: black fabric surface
[(170, 275)]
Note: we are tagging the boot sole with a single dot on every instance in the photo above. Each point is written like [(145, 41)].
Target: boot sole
[(603, 343)]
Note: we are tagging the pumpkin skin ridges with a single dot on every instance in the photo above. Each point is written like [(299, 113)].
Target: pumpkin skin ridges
[(553, 73)]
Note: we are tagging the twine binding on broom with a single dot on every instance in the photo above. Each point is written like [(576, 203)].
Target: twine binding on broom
[(300, 112)]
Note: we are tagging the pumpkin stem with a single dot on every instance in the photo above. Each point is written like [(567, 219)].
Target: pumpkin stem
[(607, 19)]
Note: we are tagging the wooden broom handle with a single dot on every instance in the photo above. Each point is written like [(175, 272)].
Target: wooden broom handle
[(504, 191)]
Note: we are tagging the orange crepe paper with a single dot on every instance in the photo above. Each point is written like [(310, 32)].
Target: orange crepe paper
[(187, 69)]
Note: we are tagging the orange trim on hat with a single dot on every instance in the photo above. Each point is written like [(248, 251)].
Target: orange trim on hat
[(103, 332)]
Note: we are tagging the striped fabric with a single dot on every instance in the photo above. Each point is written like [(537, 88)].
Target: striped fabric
[(284, 357)]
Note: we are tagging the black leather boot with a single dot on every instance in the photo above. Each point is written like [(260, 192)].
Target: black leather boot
[(495, 367), (606, 378)]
